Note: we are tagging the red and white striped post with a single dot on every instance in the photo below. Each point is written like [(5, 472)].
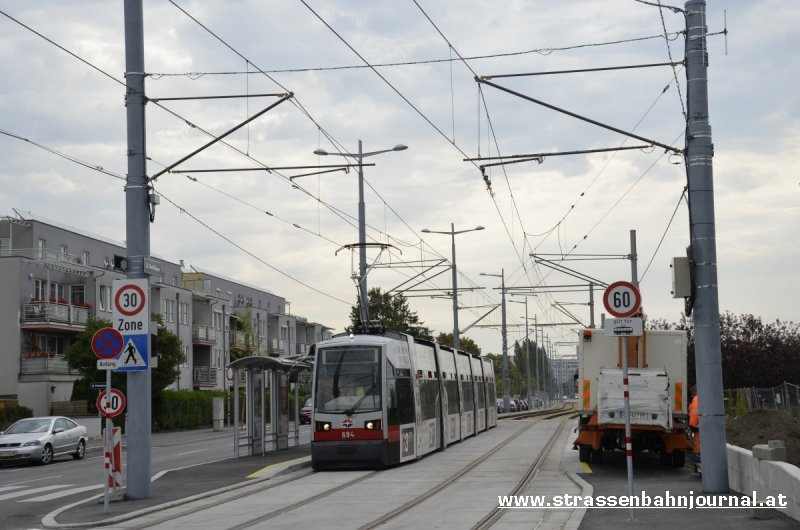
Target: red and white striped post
[(628, 440)]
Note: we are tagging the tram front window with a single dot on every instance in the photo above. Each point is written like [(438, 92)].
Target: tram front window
[(348, 380)]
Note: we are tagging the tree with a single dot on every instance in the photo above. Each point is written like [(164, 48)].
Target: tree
[(393, 313), (753, 353), (80, 357), (467, 344)]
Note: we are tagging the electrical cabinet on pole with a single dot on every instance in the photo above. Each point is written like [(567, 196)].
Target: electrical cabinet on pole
[(705, 296), (137, 231)]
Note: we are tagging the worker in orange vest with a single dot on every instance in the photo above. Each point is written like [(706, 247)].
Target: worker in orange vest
[(694, 427)]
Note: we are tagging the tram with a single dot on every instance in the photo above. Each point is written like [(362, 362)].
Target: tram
[(382, 398)]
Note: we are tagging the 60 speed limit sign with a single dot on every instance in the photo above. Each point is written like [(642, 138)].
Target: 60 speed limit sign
[(622, 299)]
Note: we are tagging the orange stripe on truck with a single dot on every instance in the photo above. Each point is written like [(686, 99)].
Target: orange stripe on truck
[(678, 396), (586, 395)]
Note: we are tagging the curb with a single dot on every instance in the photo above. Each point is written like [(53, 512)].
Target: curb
[(49, 520)]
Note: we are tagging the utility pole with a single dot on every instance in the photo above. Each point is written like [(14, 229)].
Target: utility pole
[(634, 258), (362, 241), (137, 232), (506, 380), (538, 378), (699, 172)]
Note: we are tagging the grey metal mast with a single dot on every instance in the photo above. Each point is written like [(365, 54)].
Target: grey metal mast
[(137, 231), (699, 170)]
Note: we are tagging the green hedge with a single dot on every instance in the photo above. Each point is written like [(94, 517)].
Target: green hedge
[(11, 413)]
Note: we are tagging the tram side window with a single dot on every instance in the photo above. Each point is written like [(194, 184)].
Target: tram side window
[(481, 394), (403, 410), (429, 394), (467, 390), (451, 386)]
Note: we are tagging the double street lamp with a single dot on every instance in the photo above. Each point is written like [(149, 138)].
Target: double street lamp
[(506, 382), (362, 233), (453, 233)]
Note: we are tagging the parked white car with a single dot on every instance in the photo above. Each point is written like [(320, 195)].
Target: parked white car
[(42, 439)]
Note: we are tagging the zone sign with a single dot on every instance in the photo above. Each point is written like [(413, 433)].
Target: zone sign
[(622, 299), (131, 307)]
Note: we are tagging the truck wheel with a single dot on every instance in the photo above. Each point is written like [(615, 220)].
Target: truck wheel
[(678, 458), (584, 453)]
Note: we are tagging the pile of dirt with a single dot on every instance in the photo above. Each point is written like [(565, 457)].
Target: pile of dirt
[(762, 425)]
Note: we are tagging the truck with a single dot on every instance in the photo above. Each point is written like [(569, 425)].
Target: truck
[(657, 384)]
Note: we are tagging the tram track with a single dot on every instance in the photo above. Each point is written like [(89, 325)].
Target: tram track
[(408, 506)]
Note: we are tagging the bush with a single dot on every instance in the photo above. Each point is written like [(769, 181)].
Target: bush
[(11, 413), (184, 409)]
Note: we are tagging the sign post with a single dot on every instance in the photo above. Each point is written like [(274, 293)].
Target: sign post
[(106, 345), (622, 299)]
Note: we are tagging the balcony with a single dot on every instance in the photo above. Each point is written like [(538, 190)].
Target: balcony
[(54, 315), (203, 335), (204, 376), (35, 362), (240, 340), (277, 346)]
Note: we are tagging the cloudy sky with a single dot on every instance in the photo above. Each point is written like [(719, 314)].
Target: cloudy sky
[(258, 228)]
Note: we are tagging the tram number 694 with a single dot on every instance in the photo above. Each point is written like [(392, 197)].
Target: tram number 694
[(348, 435)]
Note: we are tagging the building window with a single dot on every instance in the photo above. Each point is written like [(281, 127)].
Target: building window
[(169, 310), (85, 258), (77, 294), (41, 246), (5, 246), (57, 292), (185, 351), (218, 320), (39, 289), (105, 298), (183, 310), (64, 252)]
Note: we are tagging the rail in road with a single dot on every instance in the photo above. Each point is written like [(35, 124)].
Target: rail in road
[(397, 497)]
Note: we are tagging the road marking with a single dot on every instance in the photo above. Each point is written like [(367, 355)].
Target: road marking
[(257, 473), (586, 468), (190, 452), (64, 493), (9, 488), (35, 479), (32, 491)]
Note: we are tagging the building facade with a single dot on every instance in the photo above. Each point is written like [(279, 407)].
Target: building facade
[(53, 278)]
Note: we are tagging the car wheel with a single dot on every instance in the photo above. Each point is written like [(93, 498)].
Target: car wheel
[(81, 452), (47, 455)]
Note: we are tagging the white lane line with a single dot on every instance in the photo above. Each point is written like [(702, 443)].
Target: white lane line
[(190, 452), (64, 493), (9, 488), (32, 491), (36, 480)]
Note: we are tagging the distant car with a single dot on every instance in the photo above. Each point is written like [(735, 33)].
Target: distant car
[(41, 439), (305, 412), (500, 406)]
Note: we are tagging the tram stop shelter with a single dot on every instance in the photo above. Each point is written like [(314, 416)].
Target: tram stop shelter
[(269, 383)]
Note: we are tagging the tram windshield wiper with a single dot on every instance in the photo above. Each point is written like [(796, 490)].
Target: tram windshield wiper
[(349, 412)]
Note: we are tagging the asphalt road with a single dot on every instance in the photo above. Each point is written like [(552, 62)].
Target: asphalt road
[(28, 492)]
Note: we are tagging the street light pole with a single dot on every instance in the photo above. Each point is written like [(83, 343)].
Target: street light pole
[(452, 232), (506, 381), (362, 232)]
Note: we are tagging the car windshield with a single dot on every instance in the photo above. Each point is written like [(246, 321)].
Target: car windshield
[(28, 426)]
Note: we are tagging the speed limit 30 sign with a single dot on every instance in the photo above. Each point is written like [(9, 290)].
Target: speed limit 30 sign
[(622, 299), (111, 406)]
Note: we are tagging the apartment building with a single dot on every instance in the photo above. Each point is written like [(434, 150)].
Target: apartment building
[(53, 278)]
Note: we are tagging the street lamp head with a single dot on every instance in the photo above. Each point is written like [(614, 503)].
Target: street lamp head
[(321, 152), (425, 230), (478, 228), (399, 147)]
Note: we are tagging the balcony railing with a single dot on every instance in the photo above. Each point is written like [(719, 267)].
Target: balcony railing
[(204, 375), (55, 313), (277, 346), (241, 340), (204, 333), (44, 363)]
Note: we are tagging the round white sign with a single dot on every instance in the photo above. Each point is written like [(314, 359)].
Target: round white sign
[(622, 299)]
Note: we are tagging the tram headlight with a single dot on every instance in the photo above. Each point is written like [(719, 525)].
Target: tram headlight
[(323, 426), (372, 425)]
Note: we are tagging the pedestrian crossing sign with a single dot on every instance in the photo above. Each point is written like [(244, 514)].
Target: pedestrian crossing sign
[(134, 354)]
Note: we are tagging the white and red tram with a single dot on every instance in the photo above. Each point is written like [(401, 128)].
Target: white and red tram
[(384, 397)]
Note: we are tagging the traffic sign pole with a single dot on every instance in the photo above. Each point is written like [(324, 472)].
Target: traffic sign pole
[(622, 299), (107, 440)]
